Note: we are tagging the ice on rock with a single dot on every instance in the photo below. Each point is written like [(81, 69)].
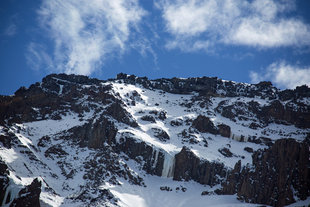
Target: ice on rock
[(155, 155), (168, 167)]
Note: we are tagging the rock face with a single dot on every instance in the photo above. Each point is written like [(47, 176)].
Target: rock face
[(117, 111), (224, 130), (189, 167), (28, 196), (292, 112), (4, 181), (160, 134), (205, 125), (153, 159), (278, 175), (109, 133), (94, 135)]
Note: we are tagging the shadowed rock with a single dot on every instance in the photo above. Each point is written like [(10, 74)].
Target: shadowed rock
[(205, 125), (278, 175), (189, 167)]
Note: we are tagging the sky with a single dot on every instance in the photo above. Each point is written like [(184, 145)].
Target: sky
[(239, 40)]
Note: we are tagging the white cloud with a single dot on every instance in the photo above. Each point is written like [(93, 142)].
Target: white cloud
[(85, 33), (37, 57), (256, 32), (11, 30), (258, 23), (284, 75)]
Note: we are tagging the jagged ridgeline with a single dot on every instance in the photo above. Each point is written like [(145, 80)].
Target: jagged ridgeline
[(75, 141)]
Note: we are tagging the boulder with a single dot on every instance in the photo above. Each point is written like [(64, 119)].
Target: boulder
[(224, 130), (205, 125), (160, 134)]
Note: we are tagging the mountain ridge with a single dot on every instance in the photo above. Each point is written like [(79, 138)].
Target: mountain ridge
[(131, 128)]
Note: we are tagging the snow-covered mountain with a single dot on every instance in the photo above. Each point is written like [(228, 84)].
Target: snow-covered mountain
[(74, 141)]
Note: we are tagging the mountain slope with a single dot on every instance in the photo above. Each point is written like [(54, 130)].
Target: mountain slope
[(131, 141)]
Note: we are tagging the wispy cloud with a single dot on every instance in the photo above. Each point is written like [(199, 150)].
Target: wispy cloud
[(283, 75), (200, 24), (37, 57), (86, 33), (11, 30)]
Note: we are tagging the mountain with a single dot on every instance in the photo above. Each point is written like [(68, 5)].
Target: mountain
[(75, 141)]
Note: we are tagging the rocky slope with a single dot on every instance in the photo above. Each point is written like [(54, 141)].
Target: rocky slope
[(74, 141)]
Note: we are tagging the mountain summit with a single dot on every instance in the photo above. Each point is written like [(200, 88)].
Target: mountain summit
[(75, 141)]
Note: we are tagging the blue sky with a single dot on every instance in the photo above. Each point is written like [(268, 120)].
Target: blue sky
[(239, 40)]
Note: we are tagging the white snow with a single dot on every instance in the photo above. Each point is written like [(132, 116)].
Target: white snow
[(152, 196)]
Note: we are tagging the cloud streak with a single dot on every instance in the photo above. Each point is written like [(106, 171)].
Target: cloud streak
[(37, 57), (283, 75), (11, 30), (260, 23), (85, 33)]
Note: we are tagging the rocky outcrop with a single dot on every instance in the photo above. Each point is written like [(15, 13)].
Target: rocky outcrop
[(4, 182), (28, 196), (279, 174), (205, 86), (94, 135), (233, 180), (105, 166), (148, 118), (117, 111), (300, 92), (51, 98), (205, 125), (225, 151), (153, 159), (160, 134), (189, 167), (224, 130), (292, 112)]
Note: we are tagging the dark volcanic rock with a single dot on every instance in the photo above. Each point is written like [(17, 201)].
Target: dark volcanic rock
[(224, 130), (189, 167), (148, 118), (6, 141), (275, 173), (4, 181), (233, 179), (226, 152), (291, 113), (120, 114), (176, 122), (162, 115), (248, 149), (105, 165), (205, 125), (153, 158), (29, 196), (205, 86), (94, 135), (50, 98), (160, 134), (56, 151)]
